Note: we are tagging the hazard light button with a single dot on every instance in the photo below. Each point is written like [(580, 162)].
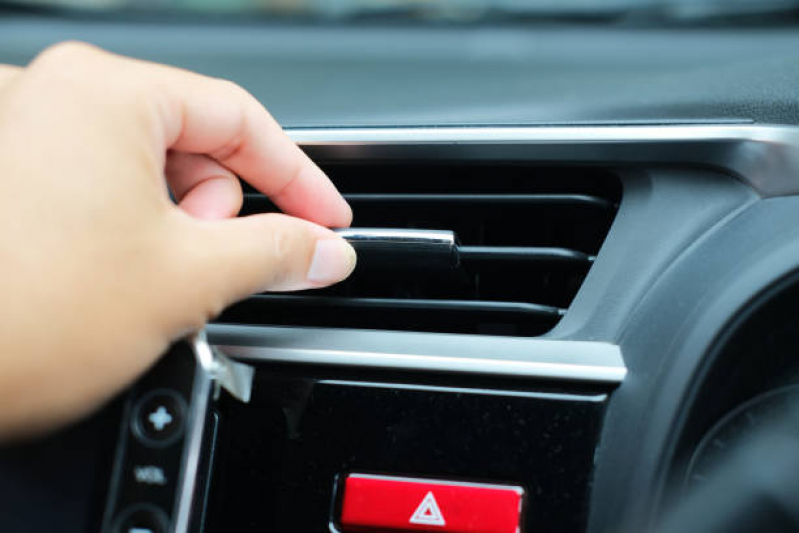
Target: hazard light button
[(384, 503)]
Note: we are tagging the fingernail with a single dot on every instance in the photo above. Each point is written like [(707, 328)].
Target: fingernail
[(333, 260)]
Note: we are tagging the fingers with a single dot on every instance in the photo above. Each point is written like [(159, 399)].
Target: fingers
[(202, 187), (234, 258), (218, 118), (202, 115), (228, 133)]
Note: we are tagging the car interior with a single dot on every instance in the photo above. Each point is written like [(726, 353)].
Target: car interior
[(576, 305)]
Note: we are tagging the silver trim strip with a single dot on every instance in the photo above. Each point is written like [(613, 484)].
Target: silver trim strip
[(236, 378), (201, 393), (765, 156), (593, 362)]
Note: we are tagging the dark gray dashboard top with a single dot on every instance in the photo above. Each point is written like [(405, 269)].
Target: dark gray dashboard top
[(372, 75)]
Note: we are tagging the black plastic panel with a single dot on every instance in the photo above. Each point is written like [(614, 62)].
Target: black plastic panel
[(149, 456), (681, 321), (278, 458)]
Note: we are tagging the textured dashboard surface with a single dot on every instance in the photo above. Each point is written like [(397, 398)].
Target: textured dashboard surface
[(372, 75)]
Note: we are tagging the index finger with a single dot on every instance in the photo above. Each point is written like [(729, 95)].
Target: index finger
[(204, 115), (222, 120)]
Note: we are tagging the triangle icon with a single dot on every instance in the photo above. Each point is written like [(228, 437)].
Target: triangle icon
[(428, 513)]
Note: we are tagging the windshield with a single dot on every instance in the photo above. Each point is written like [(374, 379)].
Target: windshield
[(441, 10)]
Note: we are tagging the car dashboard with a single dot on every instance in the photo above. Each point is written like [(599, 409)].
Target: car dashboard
[(620, 326)]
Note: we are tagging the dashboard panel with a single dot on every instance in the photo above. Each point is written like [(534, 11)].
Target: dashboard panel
[(684, 316), (318, 75)]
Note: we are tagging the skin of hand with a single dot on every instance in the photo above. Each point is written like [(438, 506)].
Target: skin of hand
[(101, 271)]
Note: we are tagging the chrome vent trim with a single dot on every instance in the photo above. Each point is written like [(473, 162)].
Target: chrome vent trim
[(765, 156), (580, 361)]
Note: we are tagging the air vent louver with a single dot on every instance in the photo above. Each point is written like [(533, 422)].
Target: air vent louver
[(528, 236)]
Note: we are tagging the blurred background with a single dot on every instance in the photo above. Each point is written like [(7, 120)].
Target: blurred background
[(637, 11)]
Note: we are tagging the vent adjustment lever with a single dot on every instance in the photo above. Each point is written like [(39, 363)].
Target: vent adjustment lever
[(398, 247)]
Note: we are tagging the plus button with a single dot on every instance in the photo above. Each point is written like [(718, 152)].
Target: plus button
[(160, 418)]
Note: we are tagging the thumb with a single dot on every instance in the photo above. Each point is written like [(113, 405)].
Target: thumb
[(234, 258)]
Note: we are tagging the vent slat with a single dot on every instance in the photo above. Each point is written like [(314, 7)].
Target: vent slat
[(282, 301), (259, 201), (489, 317), (530, 200), (524, 254)]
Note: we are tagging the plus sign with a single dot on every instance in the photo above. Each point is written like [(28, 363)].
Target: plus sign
[(160, 418)]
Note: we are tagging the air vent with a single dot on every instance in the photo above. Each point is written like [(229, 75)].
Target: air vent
[(528, 238)]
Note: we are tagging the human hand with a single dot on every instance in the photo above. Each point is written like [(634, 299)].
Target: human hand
[(100, 270)]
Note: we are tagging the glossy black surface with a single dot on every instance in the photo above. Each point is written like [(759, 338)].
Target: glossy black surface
[(757, 355), (141, 519), (278, 458), (750, 420)]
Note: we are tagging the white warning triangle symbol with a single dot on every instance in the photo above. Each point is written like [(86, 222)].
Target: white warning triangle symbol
[(428, 512)]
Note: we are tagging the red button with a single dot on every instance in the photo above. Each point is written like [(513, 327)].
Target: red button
[(382, 503)]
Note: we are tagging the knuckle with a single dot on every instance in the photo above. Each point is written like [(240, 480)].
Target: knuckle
[(232, 87), (238, 138), (90, 78), (285, 255), (281, 246), (65, 53), (239, 94)]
